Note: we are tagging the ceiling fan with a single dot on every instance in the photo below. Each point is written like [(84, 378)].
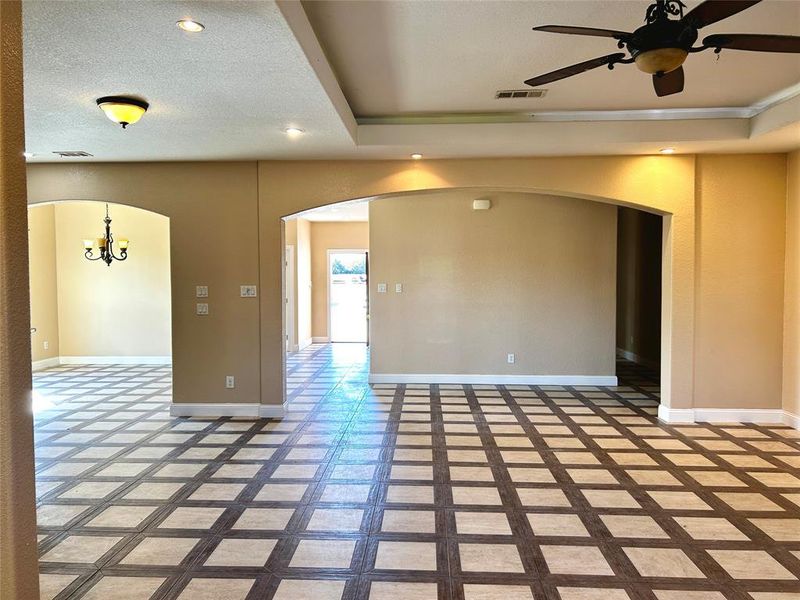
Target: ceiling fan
[(661, 45)]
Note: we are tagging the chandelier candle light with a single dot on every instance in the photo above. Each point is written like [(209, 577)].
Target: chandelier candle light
[(105, 245)]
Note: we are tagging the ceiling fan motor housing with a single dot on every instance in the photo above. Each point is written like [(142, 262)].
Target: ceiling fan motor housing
[(661, 46)]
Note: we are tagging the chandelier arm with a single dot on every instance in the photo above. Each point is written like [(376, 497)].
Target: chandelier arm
[(89, 255)]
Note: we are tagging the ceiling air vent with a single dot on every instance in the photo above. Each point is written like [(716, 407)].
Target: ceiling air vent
[(72, 153), (502, 94)]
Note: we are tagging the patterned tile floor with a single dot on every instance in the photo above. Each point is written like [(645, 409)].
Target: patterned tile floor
[(407, 492)]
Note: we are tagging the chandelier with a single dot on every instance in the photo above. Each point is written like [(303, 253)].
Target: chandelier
[(105, 245)]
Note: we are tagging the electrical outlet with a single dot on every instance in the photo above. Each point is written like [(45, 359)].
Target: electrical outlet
[(230, 382), (247, 291), (201, 291), (511, 358), (202, 308), (398, 288), (381, 288), (46, 345)]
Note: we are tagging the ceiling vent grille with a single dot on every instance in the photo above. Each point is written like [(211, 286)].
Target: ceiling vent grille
[(535, 93), (71, 153)]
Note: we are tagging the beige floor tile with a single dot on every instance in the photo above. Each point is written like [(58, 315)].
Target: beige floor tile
[(353, 472), (123, 469), (782, 530), (689, 460), (647, 477), (241, 553), (710, 528), (476, 496), (686, 595), (294, 589), (411, 472), (122, 516), (57, 515), (204, 588), (410, 494), (485, 591), (409, 521), (482, 523), (236, 472), (558, 525), (295, 472), (542, 497), (91, 490), (179, 470), (217, 491), (530, 475), (335, 519), (154, 491), (191, 517), (750, 564), (662, 562), (457, 456), (406, 556), (160, 551), (51, 584), (748, 501), (124, 588), (471, 474), (716, 479), (575, 560), (679, 500), (633, 526), (274, 519), (343, 492), (81, 549), (281, 492), (576, 458), (610, 499), (392, 590), (776, 480), (323, 554), (582, 593), (490, 558), (592, 476)]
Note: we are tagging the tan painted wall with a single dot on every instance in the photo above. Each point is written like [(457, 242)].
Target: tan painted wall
[(741, 204), (639, 285), (534, 276), (290, 239), (330, 236), (791, 323), (214, 241), (303, 256), (133, 318), (43, 281)]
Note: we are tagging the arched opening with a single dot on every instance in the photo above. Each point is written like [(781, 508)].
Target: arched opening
[(90, 313), (550, 326)]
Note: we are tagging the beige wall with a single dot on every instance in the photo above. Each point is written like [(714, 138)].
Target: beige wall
[(121, 310), (791, 324), (43, 281), (304, 283), (214, 241), (741, 204), (639, 285), (533, 276), (290, 239), (330, 236)]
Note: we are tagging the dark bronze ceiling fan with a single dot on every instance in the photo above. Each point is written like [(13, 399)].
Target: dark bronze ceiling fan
[(661, 45)]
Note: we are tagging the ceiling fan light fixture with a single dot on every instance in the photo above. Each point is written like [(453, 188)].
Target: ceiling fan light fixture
[(660, 60), (122, 109)]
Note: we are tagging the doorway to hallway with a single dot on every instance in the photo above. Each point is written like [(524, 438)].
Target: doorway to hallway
[(348, 304)]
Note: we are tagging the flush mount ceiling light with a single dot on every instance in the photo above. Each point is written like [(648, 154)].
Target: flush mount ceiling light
[(123, 109), (416, 156), (190, 26), (294, 131), (667, 151)]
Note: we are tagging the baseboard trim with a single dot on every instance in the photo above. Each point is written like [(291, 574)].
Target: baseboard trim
[(577, 380), (304, 344), (227, 409), (774, 416), (639, 360), (115, 360), (45, 363), (320, 339)]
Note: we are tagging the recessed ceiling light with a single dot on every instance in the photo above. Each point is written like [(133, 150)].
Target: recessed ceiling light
[(667, 151), (294, 131), (190, 26), (416, 156)]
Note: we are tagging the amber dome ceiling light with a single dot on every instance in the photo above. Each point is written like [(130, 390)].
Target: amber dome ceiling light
[(123, 109)]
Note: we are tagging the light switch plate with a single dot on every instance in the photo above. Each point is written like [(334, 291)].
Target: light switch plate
[(398, 288), (247, 291), (202, 291), (202, 308), (230, 382), (381, 288)]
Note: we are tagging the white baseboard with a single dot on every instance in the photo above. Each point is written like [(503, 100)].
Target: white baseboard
[(774, 416), (304, 344), (493, 379), (320, 340), (639, 360), (115, 360), (45, 363), (227, 409)]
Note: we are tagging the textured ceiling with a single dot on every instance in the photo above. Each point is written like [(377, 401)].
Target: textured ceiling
[(411, 57), (226, 93)]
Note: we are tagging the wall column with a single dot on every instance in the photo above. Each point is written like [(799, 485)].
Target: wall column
[(18, 556)]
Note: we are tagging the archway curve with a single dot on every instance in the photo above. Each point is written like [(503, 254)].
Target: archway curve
[(667, 324), (118, 202)]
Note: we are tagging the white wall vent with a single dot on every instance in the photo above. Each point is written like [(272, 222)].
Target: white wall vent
[(71, 153), (534, 93)]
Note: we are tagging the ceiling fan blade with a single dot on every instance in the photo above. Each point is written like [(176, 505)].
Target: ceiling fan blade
[(575, 69), (753, 41), (712, 11), (609, 33), (669, 83)]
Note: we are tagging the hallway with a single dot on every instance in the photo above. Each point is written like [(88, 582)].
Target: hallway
[(414, 492)]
